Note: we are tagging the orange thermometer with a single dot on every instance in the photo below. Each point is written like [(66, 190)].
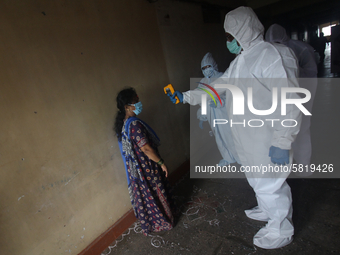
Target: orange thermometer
[(170, 89)]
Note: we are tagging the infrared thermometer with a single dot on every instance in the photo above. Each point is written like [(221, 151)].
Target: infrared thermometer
[(170, 90)]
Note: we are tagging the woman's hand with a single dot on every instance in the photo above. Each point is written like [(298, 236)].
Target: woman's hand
[(165, 169), (151, 154)]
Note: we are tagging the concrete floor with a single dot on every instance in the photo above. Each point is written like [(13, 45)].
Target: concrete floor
[(212, 219)]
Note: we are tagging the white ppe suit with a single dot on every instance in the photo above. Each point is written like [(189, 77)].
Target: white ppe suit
[(302, 146), (261, 66), (223, 135)]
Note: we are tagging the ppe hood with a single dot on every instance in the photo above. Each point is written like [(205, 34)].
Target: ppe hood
[(208, 60), (243, 24), (276, 33)]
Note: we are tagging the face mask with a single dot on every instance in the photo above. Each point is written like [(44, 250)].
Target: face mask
[(233, 47), (208, 72), (138, 106)]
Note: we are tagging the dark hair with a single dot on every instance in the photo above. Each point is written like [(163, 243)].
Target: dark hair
[(124, 97)]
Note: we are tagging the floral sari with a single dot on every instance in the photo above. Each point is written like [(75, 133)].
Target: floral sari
[(148, 187)]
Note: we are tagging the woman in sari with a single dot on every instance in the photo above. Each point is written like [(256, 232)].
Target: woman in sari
[(145, 170)]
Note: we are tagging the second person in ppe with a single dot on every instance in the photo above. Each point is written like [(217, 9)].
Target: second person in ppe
[(222, 134), (308, 71)]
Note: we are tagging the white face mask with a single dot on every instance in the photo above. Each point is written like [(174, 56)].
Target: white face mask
[(208, 72)]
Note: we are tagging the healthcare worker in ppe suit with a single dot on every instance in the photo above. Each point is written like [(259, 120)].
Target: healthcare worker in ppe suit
[(308, 71), (262, 67), (223, 135)]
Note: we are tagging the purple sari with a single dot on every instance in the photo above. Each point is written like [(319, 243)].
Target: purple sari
[(148, 187)]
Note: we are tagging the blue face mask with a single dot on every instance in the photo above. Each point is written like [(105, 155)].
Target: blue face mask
[(233, 47), (208, 72), (138, 106)]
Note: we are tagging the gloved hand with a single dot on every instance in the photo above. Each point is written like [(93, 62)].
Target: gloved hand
[(279, 156), (212, 103), (201, 117), (178, 94), (223, 162)]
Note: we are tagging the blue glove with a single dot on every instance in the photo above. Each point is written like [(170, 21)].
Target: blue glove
[(212, 103), (201, 124), (279, 156), (223, 162), (178, 94)]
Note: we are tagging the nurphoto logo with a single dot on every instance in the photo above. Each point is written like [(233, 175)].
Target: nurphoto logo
[(238, 104)]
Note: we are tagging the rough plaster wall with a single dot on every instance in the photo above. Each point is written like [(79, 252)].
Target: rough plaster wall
[(61, 65), (185, 40)]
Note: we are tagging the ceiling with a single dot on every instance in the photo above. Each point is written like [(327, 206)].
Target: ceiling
[(297, 12)]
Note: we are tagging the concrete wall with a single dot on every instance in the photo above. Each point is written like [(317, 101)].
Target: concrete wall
[(185, 40), (61, 66)]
